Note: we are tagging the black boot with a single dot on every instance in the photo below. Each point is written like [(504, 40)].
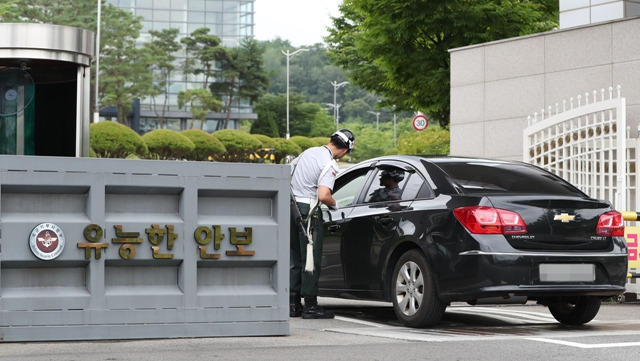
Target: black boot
[(295, 305), (313, 311)]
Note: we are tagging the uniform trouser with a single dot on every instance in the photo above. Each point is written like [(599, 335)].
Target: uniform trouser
[(301, 282)]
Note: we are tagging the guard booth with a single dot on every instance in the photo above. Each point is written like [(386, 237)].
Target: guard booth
[(44, 89)]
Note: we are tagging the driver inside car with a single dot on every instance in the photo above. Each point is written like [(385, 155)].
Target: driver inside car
[(390, 191)]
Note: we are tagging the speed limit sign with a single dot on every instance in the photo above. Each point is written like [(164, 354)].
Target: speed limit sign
[(420, 122)]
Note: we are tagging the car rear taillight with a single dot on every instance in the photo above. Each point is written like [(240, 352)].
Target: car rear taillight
[(611, 224), (488, 220)]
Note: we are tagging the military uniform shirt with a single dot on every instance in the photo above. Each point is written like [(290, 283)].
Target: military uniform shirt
[(307, 169), (386, 194)]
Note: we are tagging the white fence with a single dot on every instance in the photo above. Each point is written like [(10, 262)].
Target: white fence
[(584, 141)]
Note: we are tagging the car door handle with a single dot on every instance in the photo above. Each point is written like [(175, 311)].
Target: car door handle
[(385, 221), (334, 228)]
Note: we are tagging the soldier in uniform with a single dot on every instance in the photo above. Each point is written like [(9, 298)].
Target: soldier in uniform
[(313, 176), (389, 179)]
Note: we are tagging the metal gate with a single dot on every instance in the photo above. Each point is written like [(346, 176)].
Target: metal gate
[(584, 141)]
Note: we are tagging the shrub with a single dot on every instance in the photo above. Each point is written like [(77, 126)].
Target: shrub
[(114, 140), (207, 146), (434, 140), (318, 141), (168, 144), (267, 141), (285, 148), (239, 144), (303, 142)]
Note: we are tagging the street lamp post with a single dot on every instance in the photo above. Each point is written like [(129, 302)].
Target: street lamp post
[(96, 109), (289, 55), (395, 143), (377, 117), (336, 112), (335, 105)]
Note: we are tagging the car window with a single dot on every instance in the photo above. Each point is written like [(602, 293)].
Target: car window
[(387, 186), (347, 192), (506, 177), (413, 185)]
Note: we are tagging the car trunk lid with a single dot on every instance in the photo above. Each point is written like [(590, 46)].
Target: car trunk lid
[(556, 223)]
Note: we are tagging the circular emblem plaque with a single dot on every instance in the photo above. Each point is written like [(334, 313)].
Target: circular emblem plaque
[(46, 241)]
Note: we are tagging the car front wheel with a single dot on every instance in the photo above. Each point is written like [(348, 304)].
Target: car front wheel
[(576, 311), (415, 300)]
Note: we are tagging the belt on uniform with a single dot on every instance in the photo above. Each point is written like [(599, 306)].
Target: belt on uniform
[(305, 200)]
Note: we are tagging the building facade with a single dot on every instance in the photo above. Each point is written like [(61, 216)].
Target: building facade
[(230, 20), (495, 86)]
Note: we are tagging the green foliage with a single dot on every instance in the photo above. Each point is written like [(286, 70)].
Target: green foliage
[(432, 141), (322, 124), (267, 142), (241, 74), (203, 50), (201, 101), (310, 73), (265, 124), (8, 12), (77, 13), (168, 144), (114, 140), (239, 144), (400, 49), (318, 141), (371, 143), (162, 47), (303, 142), (284, 148), (124, 73), (305, 119), (206, 145)]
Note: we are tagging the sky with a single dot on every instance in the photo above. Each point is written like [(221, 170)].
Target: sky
[(302, 22)]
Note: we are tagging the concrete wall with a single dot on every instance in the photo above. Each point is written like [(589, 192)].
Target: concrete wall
[(495, 86), (152, 249)]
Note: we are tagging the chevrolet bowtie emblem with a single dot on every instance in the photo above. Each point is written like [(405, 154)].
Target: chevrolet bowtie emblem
[(564, 217)]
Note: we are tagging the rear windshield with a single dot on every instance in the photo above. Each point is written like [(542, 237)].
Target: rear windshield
[(506, 177)]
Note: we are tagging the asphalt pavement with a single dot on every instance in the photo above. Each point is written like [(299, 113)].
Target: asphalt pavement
[(369, 331)]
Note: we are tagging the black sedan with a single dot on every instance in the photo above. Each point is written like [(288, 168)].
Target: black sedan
[(423, 232)]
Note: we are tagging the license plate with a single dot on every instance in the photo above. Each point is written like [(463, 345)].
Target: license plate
[(554, 272)]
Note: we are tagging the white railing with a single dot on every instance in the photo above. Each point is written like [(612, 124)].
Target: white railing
[(585, 143)]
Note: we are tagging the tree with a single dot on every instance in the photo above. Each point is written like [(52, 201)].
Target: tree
[(201, 101), (8, 12), (399, 48), (432, 141), (77, 13), (241, 74), (125, 70), (162, 47), (306, 119), (265, 124), (203, 50)]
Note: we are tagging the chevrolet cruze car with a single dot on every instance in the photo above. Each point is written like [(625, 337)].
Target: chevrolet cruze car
[(469, 230)]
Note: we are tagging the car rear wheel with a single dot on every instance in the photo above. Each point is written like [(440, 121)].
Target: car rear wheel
[(415, 300), (576, 311)]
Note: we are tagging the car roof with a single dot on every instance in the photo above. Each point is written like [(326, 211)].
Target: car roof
[(442, 159)]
